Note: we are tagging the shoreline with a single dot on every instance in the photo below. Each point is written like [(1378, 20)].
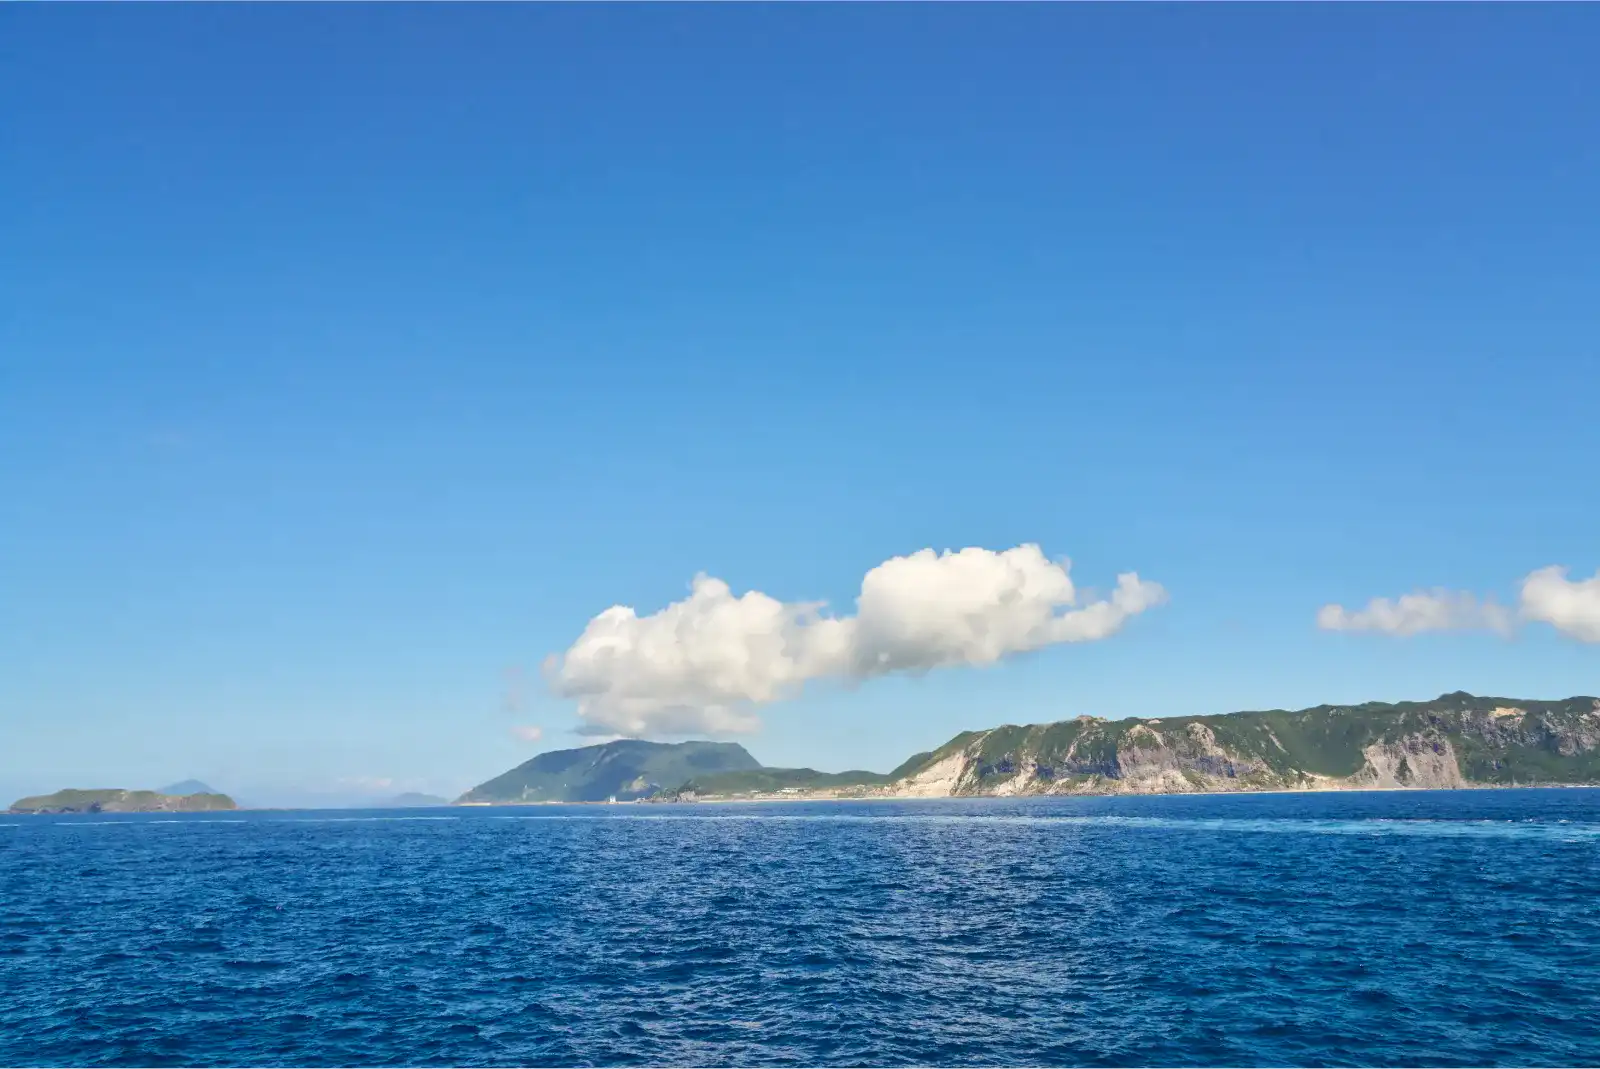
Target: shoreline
[(770, 799)]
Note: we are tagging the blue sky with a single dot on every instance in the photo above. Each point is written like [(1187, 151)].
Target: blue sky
[(353, 358)]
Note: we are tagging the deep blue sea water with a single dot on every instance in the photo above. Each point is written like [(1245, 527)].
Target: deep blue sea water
[(1408, 928)]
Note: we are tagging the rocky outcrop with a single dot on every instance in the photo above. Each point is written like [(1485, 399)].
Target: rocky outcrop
[(1415, 761), (939, 779)]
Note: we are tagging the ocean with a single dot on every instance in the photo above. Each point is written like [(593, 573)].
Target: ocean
[(1401, 928)]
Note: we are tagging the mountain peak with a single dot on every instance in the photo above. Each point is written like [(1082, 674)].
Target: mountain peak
[(186, 787)]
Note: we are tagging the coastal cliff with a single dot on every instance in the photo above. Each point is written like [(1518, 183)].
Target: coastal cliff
[(1456, 740), (120, 801)]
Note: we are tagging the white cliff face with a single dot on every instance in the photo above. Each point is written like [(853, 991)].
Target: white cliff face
[(1148, 763), (1195, 762), (938, 780), (1025, 781), (1412, 762)]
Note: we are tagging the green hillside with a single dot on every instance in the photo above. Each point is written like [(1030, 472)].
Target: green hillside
[(626, 769), (1455, 740), (112, 800)]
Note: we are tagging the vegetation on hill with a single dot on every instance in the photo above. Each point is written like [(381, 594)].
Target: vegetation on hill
[(1456, 740), (120, 801), (775, 780), (626, 769)]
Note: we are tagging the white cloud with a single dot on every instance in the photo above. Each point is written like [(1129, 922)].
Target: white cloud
[(528, 732), (1571, 606), (695, 666), (702, 665), (977, 606), (1411, 614)]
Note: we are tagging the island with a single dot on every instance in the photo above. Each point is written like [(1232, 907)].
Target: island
[(111, 800), (1456, 740), (413, 800)]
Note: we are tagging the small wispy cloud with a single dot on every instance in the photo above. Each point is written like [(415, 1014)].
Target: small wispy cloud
[(528, 732), (1417, 612), (1571, 606)]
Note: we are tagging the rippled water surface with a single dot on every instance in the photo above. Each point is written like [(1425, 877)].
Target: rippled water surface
[(1429, 928)]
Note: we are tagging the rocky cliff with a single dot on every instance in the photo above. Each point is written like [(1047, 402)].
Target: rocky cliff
[(1457, 740)]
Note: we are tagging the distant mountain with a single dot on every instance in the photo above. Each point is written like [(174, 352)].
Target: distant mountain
[(188, 786), (1456, 740), (413, 798), (626, 769), (120, 801)]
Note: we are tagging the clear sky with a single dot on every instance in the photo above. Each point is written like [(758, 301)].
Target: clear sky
[(353, 358)]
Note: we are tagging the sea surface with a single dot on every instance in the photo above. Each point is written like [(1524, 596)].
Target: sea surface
[(1401, 928)]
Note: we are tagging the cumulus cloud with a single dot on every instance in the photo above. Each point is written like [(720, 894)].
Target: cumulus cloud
[(1571, 606), (528, 732), (697, 666), (976, 606), (704, 664), (1412, 614)]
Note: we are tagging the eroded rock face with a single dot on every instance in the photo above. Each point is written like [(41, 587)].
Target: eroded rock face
[(1413, 762), (938, 780), (1193, 758), (1456, 740), (1425, 745)]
